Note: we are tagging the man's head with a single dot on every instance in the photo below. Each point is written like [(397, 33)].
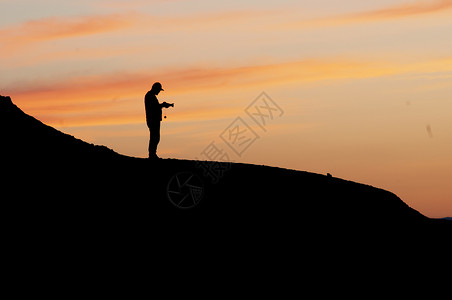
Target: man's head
[(156, 88)]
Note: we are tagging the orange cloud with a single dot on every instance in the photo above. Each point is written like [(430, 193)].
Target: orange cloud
[(62, 27), (115, 85), (386, 13), (403, 10), (82, 97)]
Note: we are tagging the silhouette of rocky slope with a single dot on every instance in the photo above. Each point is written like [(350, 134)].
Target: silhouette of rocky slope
[(54, 182)]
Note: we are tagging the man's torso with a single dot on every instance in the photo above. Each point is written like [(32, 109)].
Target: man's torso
[(153, 108)]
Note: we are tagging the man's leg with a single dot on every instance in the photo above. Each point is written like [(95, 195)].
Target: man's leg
[(154, 139)]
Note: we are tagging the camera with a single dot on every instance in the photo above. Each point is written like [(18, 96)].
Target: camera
[(166, 105)]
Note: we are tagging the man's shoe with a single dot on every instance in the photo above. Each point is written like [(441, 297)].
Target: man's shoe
[(154, 157)]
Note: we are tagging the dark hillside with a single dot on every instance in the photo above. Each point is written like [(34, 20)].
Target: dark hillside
[(54, 181)]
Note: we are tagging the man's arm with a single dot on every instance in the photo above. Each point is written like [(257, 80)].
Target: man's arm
[(166, 105)]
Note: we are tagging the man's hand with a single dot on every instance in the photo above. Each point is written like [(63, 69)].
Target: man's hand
[(166, 105)]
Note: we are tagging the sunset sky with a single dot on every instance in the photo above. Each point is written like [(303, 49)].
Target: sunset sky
[(365, 86)]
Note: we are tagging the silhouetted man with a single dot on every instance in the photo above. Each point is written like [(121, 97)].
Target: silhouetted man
[(154, 117)]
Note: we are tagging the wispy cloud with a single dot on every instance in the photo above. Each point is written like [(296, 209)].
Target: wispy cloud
[(127, 4), (22, 35), (91, 98), (403, 10), (62, 27), (52, 28), (385, 13), (121, 84)]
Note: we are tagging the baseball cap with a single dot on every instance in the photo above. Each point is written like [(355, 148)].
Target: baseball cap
[(157, 86)]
